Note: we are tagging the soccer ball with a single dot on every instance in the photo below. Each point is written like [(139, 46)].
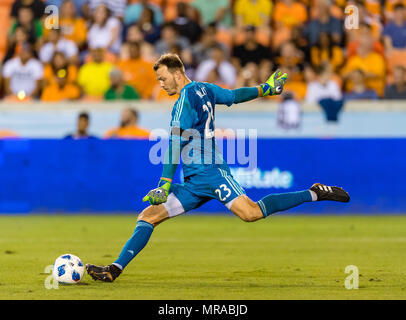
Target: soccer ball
[(68, 268)]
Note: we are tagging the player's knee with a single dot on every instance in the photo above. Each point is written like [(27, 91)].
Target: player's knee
[(153, 215), (246, 209), (250, 216)]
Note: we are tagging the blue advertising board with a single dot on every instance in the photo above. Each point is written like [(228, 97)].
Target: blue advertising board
[(73, 176)]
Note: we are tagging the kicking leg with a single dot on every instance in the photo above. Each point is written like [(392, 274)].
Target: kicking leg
[(249, 210), (147, 220), (246, 209)]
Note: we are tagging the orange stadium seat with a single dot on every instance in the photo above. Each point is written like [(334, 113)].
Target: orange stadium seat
[(5, 7)]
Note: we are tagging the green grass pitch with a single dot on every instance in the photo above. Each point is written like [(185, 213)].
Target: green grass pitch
[(210, 257)]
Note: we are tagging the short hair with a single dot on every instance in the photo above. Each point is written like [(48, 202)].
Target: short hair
[(398, 6), (320, 69), (169, 24), (133, 111), (171, 61), (83, 114)]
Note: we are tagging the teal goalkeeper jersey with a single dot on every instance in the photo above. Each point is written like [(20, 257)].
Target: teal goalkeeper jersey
[(193, 118)]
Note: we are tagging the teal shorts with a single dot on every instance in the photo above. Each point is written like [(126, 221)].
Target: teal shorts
[(213, 183)]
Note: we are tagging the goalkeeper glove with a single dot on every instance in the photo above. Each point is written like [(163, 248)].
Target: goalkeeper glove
[(274, 85), (158, 195)]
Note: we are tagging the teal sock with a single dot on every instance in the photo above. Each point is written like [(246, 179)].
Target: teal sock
[(135, 244), (283, 201)]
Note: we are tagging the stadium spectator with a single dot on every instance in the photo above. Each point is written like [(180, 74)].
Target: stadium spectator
[(370, 62), (105, 31), (298, 43), (82, 127), (93, 76), (61, 89), (134, 34), (214, 77), (133, 12), (15, 42), (150, 30), (289, 114), (364, 16), (201, 50), (395, 31), (326, 51), (264, 70), (128, 128), (324, 23), (291, 60), (252, 12), (169, 37), (185, 24), (248, 76), (119, 90), (226, 70), (59, 62), (374, 7), (250, 50), (57, 43), (289, 13), (390, 8), (80, 5), (298, 38), (138, 72), (323, 87), (25, 18), (73, 27), (37, 8), (325, 92), (359, 90), (23, 74), (365, 35), (214, 11), (397, 90), (116, 7)]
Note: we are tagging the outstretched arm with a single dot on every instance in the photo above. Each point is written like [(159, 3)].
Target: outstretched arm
[(273, 86)]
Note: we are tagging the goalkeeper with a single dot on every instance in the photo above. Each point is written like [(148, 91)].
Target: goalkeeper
[(207, 175)]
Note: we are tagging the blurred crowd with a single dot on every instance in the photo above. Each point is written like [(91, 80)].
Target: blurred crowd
[(105, 49)]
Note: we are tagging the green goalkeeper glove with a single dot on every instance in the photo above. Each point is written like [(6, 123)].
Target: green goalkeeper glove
[(274, 85), (158, 195)]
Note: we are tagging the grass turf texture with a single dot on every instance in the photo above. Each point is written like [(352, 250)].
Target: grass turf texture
[(210, 257)]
